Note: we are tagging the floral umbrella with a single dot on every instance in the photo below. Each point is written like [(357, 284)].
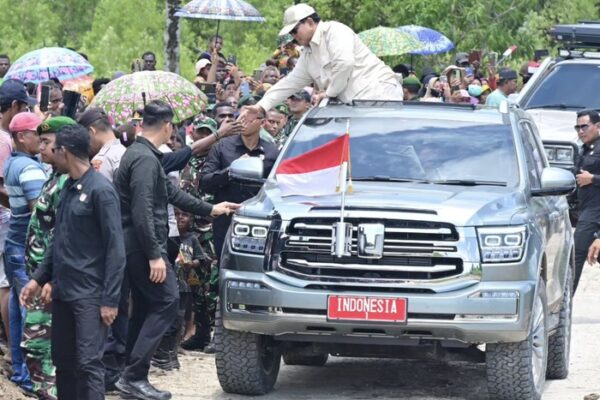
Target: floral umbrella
[(387, 42), (221, 10), (432, 41), (122, 97), (50, 62)]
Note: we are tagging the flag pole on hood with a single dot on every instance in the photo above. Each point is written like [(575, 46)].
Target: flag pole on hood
[(342, 231)]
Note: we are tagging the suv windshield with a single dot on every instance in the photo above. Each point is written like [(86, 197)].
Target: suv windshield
[(429, 151), (557, 89)]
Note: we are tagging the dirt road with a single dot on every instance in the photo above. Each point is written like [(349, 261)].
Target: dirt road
[(354, 378)]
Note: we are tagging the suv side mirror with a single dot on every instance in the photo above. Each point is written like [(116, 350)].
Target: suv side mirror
[(555, 182), (247, 170)]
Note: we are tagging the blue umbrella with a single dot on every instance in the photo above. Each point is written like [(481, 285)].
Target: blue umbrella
[(221, 10), (432, 41)]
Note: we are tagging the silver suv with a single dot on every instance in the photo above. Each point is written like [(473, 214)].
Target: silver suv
[(461, 241)]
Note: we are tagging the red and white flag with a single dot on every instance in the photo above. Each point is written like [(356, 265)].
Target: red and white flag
[(321, 171)]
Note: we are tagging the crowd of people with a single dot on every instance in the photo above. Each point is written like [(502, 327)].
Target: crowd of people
[(111, 235)]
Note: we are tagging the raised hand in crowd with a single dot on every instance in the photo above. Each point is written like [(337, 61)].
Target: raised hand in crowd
[(230, 128)]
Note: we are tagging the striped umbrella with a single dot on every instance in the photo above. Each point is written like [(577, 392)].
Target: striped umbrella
[(221, 10), (50, 62), (388, 42), (432, 41), (122, 97)]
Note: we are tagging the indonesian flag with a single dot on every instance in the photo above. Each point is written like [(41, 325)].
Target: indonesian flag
[(318, 172)]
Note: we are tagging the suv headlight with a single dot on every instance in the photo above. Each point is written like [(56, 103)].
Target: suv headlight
[(502, 244), (249, 235), (557, 154)]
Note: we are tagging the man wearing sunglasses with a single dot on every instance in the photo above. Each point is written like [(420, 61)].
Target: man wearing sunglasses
[(588, 190), (334, 59)]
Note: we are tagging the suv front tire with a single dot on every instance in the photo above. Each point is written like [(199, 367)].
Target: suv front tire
[(517, 371)]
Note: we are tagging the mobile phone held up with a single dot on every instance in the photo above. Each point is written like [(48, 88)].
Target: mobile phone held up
[(44, 98), (245, 88)]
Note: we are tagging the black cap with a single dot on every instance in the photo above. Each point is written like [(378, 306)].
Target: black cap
[(14, 89), (92, 115), (507, 74), (302, 95), (461, 58)]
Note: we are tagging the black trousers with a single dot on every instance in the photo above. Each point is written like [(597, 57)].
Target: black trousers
[(154, 311), (584, 236), (114, 350), (78, 336)]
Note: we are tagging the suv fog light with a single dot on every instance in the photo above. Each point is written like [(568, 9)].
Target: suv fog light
[(244, 285), (499, 294), (249, 244)]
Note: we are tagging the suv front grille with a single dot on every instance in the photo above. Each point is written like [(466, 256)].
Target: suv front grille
[(412, 250)]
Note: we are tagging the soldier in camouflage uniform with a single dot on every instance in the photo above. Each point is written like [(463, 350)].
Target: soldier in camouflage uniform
[(203, 281), (38, 323)]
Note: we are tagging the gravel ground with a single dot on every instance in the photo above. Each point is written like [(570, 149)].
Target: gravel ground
[(355, 378)]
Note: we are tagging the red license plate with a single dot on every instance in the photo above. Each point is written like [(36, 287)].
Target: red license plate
[(366, 308)]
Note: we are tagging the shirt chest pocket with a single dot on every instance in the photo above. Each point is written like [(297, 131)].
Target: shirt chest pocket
[(591, 163), (82, 209)]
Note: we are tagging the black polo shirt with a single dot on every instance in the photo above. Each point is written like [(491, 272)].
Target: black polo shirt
[(589, 196), (86, 258), (215, 173)]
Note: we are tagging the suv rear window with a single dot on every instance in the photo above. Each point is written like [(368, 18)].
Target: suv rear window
[(567, 86), (432, 150)]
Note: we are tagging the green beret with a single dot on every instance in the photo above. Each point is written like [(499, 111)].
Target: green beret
[(53, 125), (411, 80)]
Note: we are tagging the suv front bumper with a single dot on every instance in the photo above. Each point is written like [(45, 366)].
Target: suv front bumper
[(260, 304)]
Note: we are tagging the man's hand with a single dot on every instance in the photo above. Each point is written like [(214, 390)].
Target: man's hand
[(230, 128), (28, 293), (250, 113), (584, 178), (108, 314), (593, 252), (46, 296), (224, 208), (317, 97), (158, 270)]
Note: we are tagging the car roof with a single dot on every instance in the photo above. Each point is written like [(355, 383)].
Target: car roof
[(578, 61), (412, 110)]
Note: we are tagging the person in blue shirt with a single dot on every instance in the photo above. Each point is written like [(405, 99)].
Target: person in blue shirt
[(507, 85), (24, 177)]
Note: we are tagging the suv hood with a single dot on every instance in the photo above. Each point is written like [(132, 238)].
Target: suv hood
[(555, 125), (460, 205)]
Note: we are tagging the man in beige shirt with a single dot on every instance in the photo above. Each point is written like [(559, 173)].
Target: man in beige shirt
[(334, 59)]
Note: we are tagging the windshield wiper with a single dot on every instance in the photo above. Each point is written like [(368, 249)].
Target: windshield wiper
[(467, 182), (385, 178), (561, 106)]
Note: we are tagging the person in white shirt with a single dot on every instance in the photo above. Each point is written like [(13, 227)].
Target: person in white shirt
[(334, 59)]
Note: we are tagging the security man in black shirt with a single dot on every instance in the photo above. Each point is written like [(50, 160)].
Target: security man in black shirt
[(588, 191), (85, 265), (215, 173), (145, 192)]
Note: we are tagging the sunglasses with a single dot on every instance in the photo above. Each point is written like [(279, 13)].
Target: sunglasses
[(583, 127), (294, 31)]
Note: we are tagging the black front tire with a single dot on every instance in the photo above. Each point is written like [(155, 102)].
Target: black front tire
[(559, 344), (247, 363), (517, 371)]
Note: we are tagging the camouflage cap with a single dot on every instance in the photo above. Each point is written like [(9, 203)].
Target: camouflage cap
[(53, 125), (282, 108), (205, 122)]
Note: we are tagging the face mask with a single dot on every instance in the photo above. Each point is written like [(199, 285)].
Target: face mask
[(435, 93), (475, 90)]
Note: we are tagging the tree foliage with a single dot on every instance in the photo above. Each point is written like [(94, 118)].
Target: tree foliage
[(114, 32)]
